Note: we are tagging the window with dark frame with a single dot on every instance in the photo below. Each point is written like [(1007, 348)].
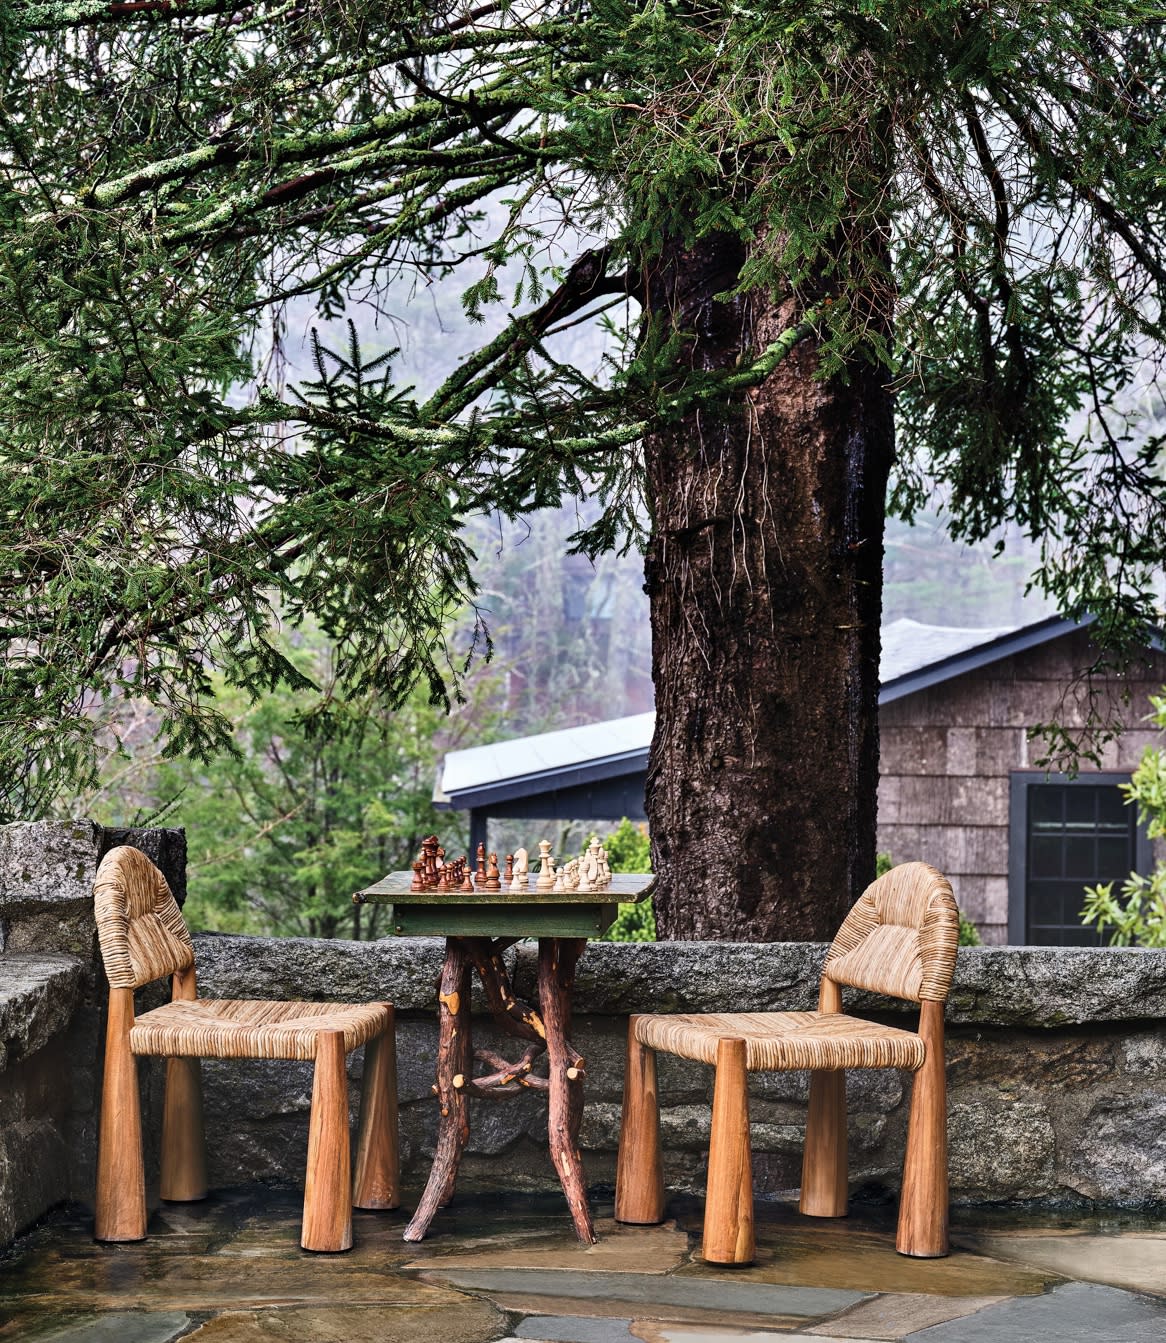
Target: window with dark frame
[(1067, 834)]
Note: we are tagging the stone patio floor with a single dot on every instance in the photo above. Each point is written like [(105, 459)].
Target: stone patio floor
[(504, 1268)]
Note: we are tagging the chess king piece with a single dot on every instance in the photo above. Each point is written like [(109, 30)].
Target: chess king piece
[(546, 878)]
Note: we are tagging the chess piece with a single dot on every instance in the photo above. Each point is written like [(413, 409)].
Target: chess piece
[(467, 884), (418, 882), (584, 882), (518, 883), (521, 863), (546, 878), (508, 875), (480, 874), (560, 881), (493, 880)]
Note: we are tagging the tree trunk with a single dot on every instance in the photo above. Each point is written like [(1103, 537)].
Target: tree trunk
[(764, 576)]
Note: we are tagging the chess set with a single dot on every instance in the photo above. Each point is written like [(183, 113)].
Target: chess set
[(434, 872)]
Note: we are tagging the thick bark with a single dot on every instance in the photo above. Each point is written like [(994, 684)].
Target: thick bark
[(764, 576)]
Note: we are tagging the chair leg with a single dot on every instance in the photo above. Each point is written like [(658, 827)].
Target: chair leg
[(377, 1182), (639, 1176), (121, 1176), (328, 1182), (728, 1216), (923, 1203), (824, 1174), (183, 1142)]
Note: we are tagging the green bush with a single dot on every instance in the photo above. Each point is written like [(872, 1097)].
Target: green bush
[(1137, 917), (629, 850)]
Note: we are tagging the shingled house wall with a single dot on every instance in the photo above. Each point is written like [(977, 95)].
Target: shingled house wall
[(947, 754)]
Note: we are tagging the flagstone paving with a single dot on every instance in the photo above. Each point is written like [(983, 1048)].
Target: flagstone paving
[(502, 1269)]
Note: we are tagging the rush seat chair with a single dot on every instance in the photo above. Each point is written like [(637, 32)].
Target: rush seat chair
[(899, 939), (144, 937)]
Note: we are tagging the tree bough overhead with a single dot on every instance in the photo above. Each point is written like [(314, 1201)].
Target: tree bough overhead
[(846, 253)]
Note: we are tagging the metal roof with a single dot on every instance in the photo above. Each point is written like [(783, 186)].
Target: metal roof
[(914, 657)]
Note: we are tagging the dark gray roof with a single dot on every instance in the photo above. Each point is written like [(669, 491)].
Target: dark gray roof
[(914, 657)]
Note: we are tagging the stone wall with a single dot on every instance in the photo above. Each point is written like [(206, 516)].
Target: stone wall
[(1056, 1067), (946, 755), (1056, 1058)]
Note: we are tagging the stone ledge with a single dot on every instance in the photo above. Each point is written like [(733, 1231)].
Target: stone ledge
[(38, 995), (1040, 987)]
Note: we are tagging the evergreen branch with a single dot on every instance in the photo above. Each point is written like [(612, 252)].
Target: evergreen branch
[(587, 279), (289, 149), (411, 223)]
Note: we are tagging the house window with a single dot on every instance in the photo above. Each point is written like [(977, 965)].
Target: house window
[(1066, 834)]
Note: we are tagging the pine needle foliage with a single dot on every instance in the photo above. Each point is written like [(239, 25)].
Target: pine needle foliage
[(970, 195)]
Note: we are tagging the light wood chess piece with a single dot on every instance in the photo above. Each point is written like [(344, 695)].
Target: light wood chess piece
[(546, 878)]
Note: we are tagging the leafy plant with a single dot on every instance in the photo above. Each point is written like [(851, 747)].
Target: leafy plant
[(629, 850), (1137, 915)]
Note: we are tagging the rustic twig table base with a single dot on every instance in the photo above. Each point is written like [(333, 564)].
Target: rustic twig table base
[(478, 928)]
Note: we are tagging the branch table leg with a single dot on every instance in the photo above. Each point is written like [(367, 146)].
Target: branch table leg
[(454, 1055), (556, 978)]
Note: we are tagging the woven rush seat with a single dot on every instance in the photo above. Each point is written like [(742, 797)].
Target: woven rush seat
[(230, 1028), (898, 939), (784, 1041)]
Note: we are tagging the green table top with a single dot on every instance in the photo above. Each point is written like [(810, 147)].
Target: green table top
[(529, 913)]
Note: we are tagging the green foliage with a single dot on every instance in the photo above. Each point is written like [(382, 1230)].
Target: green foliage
[(629, 850), (311, 805), (1137, 916), (969, 197)]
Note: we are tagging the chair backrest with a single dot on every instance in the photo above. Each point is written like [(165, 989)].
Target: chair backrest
[(900, 937), (142, 932)]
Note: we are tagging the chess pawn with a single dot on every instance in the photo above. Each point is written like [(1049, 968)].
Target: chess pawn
[(493, 882), (521, 863), (508, 875), (467, 884), (560, 880), (480, 874), (546, 878), (418, 882), (573, 875), (584, 882), (518, 882)]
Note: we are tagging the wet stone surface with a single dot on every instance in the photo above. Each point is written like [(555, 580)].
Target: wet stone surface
[(230, 1270)]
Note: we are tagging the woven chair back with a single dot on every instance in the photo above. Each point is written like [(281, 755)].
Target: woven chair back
[(900, 937), (142, 932)]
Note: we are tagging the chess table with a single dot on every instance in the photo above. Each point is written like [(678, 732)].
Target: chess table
[(478, 926)]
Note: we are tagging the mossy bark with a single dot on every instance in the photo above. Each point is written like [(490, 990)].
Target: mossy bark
[(764, 576)]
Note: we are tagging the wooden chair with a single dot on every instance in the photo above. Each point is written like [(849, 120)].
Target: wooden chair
[(144, 937), (899, 939)]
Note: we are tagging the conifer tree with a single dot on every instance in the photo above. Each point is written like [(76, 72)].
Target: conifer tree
[(848, 252)]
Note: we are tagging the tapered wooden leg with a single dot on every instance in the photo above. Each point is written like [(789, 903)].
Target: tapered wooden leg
[(454, 1057), (639, 1176), (556, 974), (328, 1182), (121, 1177), (923, 1203), (377, 1182), (728, 1216), (183, 1141), (824, 1177)]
